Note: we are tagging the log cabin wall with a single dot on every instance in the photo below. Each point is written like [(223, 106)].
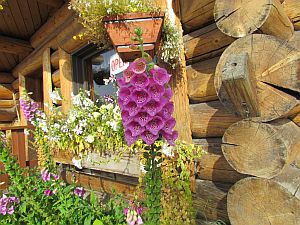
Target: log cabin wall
[(210, 27)]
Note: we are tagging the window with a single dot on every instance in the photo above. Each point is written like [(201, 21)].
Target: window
[(91, 66)]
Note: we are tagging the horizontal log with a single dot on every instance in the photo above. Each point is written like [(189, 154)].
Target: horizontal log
[(196, 14), (295, 40), (210, 200), (7, 114), (52, 27), (266, 201), (6, 91), (14, 46), (292, 9), (213, 165), (296, 119), (6, 78), (210, 119), (207, 40), (15, 84), (261, 149), (200, 81), (56, 78), (64, 39), (7, 104), (239, 18), (55, 60)]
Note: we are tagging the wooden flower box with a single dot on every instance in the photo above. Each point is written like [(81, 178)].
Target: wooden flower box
[(121, 29)]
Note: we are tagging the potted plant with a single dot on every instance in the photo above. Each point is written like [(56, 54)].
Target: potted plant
[(121, 27)]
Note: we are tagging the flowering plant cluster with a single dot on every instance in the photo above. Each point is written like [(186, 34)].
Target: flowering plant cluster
[(145, 103), (87, 126), (7, 204), (133, 214)]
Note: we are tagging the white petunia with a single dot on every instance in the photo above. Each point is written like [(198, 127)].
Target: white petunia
[(26, 132), (114, 125), (89, 139), (167, 150), (55, 96), (142, 168), (77, 162), (96, 115)]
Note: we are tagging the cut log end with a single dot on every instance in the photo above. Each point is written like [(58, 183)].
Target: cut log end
[(261, 149), (257, 201), (243, 17)]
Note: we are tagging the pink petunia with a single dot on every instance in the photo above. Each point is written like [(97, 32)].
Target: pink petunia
[(140, 81), (141, 97), (160, 75), (48, 192), (139, 66), (148, 137), (143, 118), (155, 125)]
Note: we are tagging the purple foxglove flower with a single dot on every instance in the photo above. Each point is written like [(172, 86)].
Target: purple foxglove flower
[(121, 81), (135, 128), (139, 66), (167, 110), (55, 176), (169, 125), (129, 138), (168, 93), (152, 107), (140, 80), (156, 90), (121, 103), (128, 74), (132, 108), (125, 116), (79, 191), (48, 192), (141, 97), (155, 125), (124, 94), (139, 210), (171, 138), (148, 137), (143, 118), (160, 75)]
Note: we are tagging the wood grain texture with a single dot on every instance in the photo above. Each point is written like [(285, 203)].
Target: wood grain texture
[(207, 40), (240, 18), (210, 119), (66, 78), (6, 91), (292, 9), (196, 14), (55, 60), (210, 200), (200, 80), (270, 59), (15, 84), (52, 3), (259, 201), (14, 46), (4, 104), (261, 149), (47, 81), (8, 114), (6, 78)]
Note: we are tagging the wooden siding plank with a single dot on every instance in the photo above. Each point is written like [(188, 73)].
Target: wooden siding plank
[(36, 18), (47, 80), (26, 15), (43, 12), (17, 17), (10, 22), (14, 46)]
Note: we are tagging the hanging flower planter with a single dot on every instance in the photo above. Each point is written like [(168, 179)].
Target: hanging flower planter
[(121, 28)]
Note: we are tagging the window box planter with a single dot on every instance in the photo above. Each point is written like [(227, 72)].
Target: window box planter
[(121, 28)]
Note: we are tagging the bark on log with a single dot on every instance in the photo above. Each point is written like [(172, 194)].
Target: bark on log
[(259, 201), (205, 43), (15, 85), (274, 65), (6, 91), (7, 104), (200, 78), (210, 119), (213, 165), (240, 18), (292, 9), (6, 78), (210, 200), (295, 40), (261, 149), (56, 78), (196, 14), (7, 114)]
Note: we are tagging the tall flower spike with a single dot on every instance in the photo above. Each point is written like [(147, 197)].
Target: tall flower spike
[(155, 125), (152, 107), (155, 90), (167, 110), (169, 125), (128, 74), (171, 138), (148, 137), (143, 118), (141, 97), (129, 138), (132, 108), (135, 128), (160, 75), (124, 94)]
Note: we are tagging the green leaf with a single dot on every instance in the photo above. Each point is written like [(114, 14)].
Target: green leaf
[(98, 222)]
